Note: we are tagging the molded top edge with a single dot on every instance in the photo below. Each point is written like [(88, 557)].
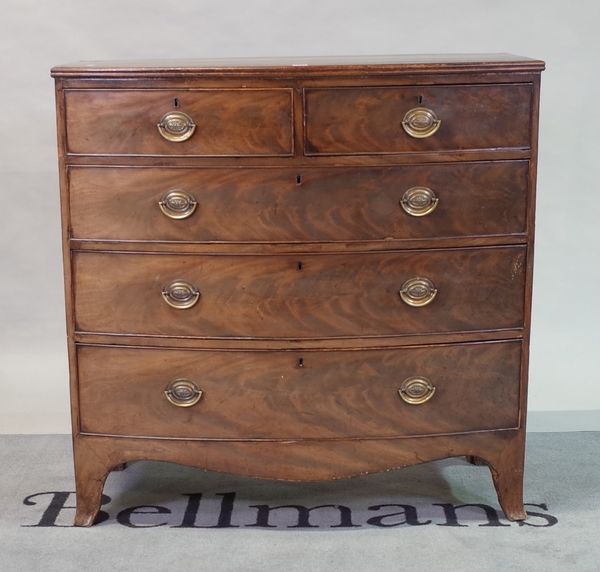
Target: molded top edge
[(302, 66)]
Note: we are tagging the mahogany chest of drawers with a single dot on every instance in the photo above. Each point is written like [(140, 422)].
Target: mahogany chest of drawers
[(298, 269)]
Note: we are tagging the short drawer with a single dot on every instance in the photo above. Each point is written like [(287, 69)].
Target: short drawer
[(300, 296), (267, 395), (281, 205), (209, 122), (413, 119)]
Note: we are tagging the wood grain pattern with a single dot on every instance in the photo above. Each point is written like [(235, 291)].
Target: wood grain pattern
[(369, 120), (303, 460), (270, 297), (299, 205), (228, 122), (268, 395), (256, 305)]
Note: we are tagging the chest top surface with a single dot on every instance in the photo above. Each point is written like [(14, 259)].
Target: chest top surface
[(304, 66)]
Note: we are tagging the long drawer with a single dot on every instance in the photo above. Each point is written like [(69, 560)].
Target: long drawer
[(200, 122), (300, 296), (290, 395), (372, 120), (284, 205)]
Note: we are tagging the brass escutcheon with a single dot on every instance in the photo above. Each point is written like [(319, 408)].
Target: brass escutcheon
[(176, 126), (183, 393), (418, 291), (421, 122), (180, 295), (416, 390), (177, 204), (419, 201)]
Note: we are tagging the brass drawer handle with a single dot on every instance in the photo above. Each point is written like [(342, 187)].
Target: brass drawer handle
[(418, 292), (416, 390), (183, 393), (180, 295), (177, 204), (421, 122), (176, 126), (419, 201)]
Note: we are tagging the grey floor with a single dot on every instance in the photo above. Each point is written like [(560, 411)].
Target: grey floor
[(562, 490)]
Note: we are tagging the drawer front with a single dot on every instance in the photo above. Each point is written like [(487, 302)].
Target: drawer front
[(370, 119), (336, 394), (227, 122), (273, 205), (299, 296)]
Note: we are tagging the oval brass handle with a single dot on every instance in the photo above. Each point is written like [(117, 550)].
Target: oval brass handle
[(180, 295), (418, 292), (421, 122), (176, 126), (183, 393), (416, 390), (419, 201), (177, 204)]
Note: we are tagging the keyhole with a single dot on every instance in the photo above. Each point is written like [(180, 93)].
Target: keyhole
[(420, 99), (298, 179), (301, 362), (300, 266), (176, 102)]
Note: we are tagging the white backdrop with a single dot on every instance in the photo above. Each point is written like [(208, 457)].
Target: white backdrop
[(38, 34)]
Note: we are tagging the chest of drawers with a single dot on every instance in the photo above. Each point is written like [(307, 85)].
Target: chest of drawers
[(302, 269)]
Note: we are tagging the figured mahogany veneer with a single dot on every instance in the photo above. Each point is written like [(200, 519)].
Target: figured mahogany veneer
[(268, 395), (299, 205), (297, 357), (311, 296), (367, 119), (229, 122)]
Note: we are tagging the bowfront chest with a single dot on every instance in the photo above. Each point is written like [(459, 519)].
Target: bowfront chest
[(298, 269)]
